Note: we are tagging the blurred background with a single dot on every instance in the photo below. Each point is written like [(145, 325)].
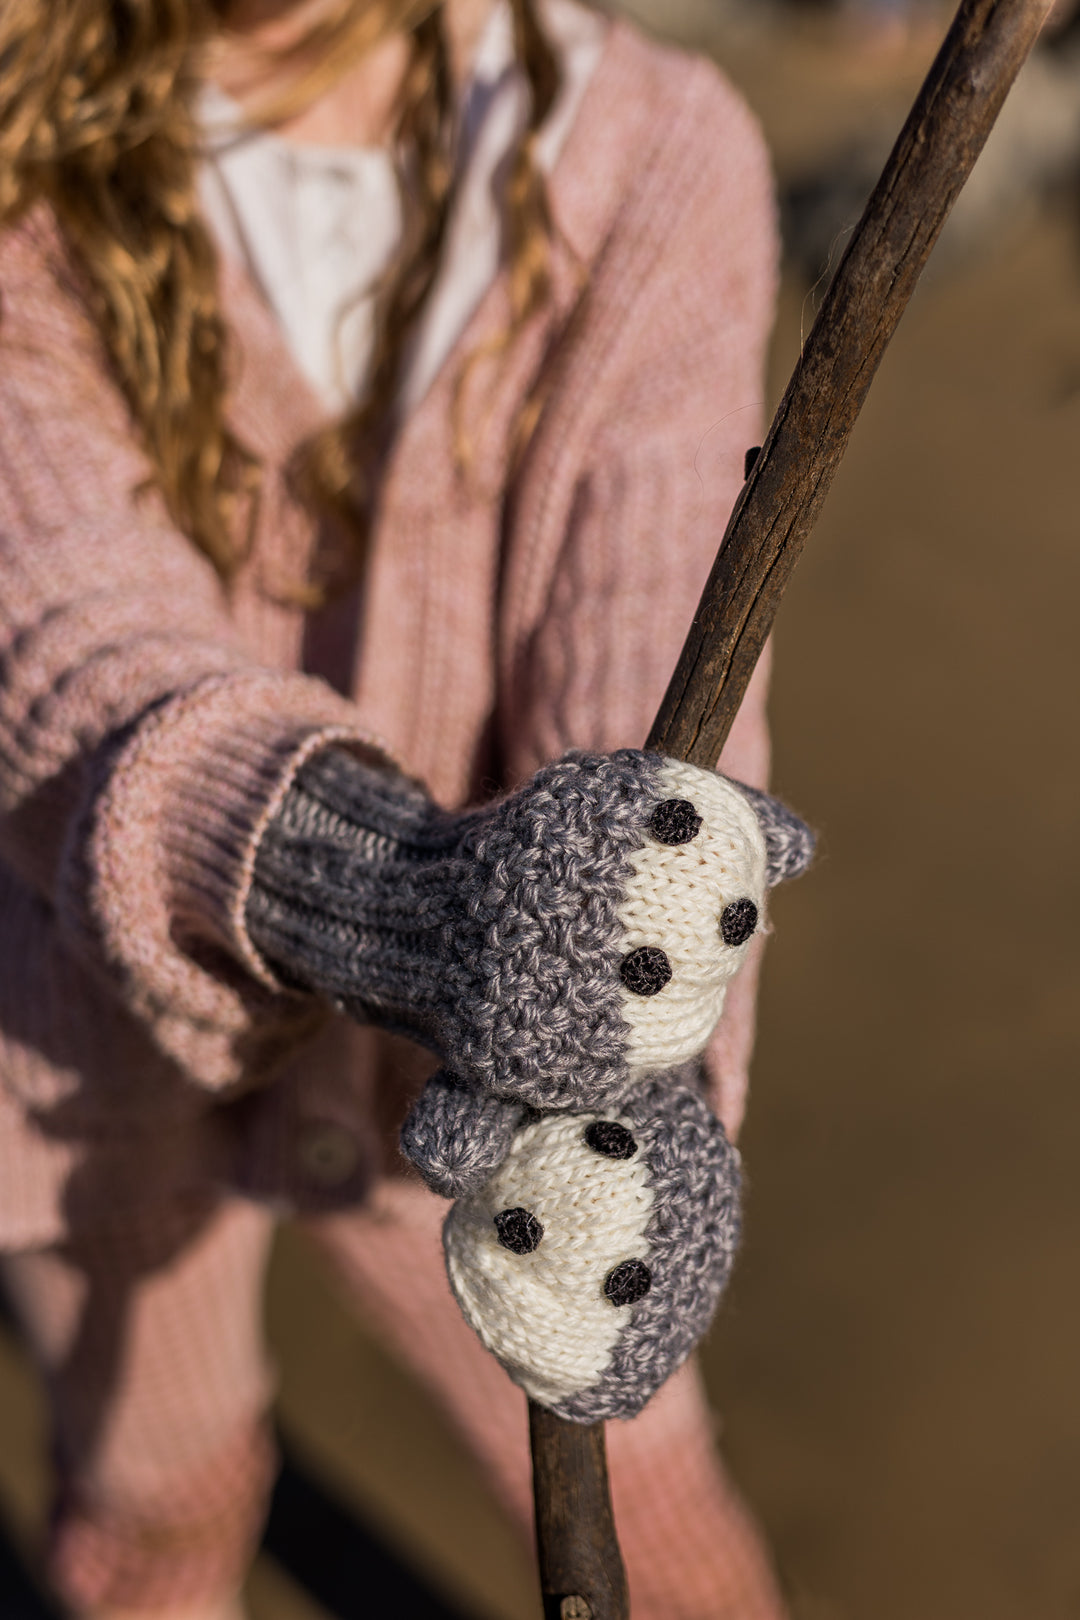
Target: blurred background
[(895, 1372)]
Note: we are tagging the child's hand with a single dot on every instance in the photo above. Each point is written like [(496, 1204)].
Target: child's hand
[(552, 948), (590, 1250)]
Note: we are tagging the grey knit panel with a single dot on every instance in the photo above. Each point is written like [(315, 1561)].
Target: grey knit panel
[(551, 868), (457, 1137), (692, 1236), (493, 936), (789, 842)]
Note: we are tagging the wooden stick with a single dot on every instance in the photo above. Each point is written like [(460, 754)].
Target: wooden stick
[(581, 1570), (944, 134)]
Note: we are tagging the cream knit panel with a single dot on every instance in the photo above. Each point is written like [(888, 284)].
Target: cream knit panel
[(675, 901), (545, 1313)]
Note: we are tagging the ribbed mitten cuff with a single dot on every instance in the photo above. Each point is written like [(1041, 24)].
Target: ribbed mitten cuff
[(354, 891)]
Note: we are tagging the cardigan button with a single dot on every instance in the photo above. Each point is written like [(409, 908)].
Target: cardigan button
[(328, 1155)]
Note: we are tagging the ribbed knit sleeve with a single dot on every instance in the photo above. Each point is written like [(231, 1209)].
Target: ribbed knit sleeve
[(620, 513), (141, 745)]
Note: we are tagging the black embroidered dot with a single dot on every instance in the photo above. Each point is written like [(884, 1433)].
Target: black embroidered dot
[(628, 1283), (518, 1230), (645, 971), (608, 1137), (674, 821), (738, 921)]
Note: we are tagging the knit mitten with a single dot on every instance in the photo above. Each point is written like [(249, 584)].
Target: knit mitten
[(587, 1250), (552, 948)]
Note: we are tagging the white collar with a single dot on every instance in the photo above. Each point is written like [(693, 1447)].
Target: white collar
[(317, 227)]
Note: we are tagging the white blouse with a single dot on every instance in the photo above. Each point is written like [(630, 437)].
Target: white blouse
[(316, 227)]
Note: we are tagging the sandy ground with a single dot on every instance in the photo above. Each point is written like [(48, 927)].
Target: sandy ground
[(896, 1367)]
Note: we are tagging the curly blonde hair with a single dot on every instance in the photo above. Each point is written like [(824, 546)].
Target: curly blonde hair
[(96, 119)]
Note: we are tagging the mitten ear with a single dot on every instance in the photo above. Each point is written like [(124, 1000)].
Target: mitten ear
[(456, 1137), (789, 843)]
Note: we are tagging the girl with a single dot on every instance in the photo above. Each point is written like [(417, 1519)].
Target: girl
[(374, 376)]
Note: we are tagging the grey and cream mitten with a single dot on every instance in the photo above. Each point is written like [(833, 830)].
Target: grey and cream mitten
[(590, 1250), (553, 948)]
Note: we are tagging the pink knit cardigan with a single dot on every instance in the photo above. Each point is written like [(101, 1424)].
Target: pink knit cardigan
[(149, 722)]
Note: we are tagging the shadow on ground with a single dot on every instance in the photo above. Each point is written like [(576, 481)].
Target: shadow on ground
[(19, 1598), (336, 1560)]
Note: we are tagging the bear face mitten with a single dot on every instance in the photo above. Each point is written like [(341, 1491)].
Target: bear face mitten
[(553, 948), (590, 1252)]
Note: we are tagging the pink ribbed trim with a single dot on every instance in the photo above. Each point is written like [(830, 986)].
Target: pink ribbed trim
[(171, 849)]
